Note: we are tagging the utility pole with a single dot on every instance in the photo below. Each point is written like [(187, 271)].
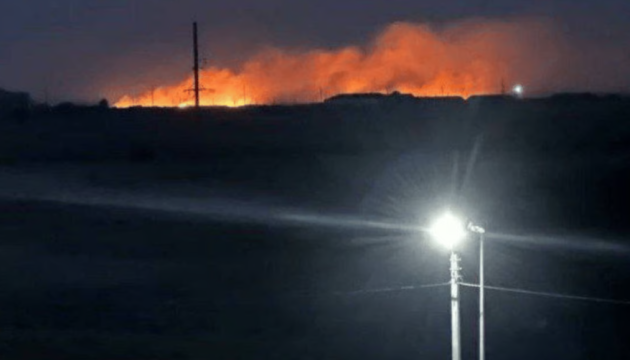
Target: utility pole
[(455, 323), (196, 65), (482, 329)]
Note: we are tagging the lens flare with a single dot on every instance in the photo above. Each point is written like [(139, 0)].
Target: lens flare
[(448, 230)]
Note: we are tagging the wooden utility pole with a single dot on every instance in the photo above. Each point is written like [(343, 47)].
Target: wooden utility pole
[(196, 65)]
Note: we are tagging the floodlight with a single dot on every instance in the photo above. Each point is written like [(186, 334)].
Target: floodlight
[(448, 230)]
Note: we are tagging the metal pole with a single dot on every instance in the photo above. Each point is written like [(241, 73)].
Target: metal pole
[(455, 328), (482, 330), (196, 65)]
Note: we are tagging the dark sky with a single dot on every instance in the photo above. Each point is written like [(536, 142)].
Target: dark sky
[(83, 50)]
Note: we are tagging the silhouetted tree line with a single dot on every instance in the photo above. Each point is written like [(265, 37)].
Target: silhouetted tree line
[(344, 124)]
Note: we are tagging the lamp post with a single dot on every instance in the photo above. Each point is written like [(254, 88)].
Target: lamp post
[(482, 330), (448, 230)]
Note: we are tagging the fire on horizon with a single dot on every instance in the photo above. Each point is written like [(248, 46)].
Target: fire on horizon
[(469, 58)]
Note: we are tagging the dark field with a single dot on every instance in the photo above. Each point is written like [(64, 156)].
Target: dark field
[(244, 234)]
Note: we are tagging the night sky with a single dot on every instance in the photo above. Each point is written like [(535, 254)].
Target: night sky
[(85, 50)]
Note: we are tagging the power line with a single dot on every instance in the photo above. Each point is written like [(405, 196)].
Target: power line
[(390, 289), (306, 294), (550, 294), (367, 291), (317, 294)]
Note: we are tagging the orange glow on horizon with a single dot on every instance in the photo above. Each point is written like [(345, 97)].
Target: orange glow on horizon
[(471, 58)]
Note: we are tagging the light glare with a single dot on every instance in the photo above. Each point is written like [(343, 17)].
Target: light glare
[(448, 230), (518, 89)]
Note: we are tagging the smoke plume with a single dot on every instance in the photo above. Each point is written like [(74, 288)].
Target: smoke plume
[(468, 58)]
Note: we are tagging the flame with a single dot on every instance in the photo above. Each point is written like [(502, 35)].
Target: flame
[(470, 58)]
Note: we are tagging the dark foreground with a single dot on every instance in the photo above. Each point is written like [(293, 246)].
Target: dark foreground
[(122, 281), (260, 233)]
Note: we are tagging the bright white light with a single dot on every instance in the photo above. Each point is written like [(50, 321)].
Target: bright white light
[(476, 228), (182, 106), (448, 230), (518, 89)]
